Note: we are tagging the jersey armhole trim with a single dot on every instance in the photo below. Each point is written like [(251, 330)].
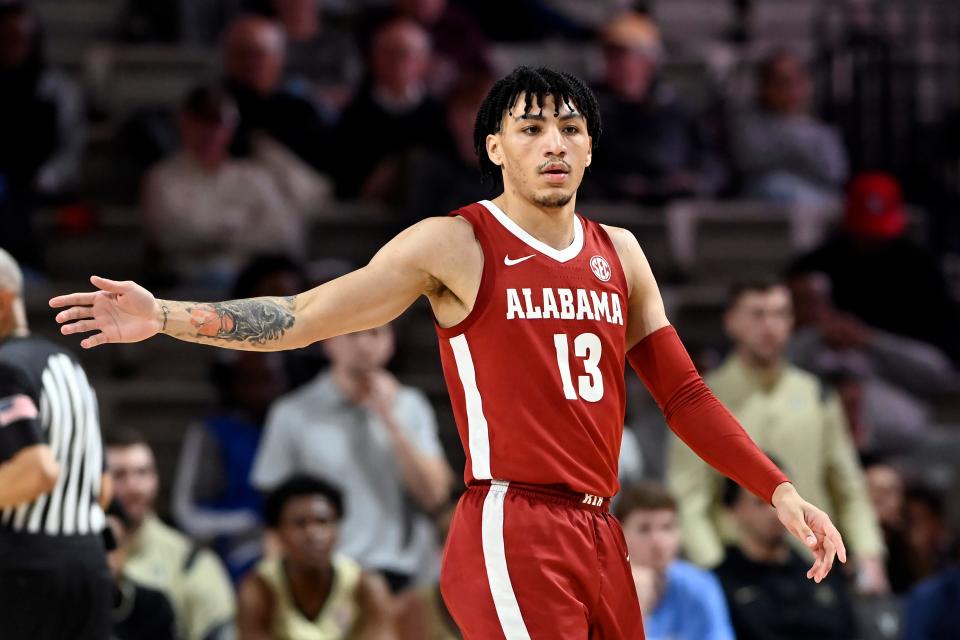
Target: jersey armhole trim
[(606, 239), (487, 275)]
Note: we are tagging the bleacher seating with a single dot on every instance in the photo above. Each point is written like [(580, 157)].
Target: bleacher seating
[(73, 26), (725, 240), (125, 78), (580, 59), (647, 224), (695, 248)]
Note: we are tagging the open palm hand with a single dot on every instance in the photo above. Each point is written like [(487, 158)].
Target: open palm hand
[(116, 312)]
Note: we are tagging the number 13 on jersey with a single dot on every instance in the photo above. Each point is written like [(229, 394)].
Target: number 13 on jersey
[(587, 347)]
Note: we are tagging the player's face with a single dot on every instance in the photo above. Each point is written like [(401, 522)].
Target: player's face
[(308, 530), (760, 323), (134, 476), (757, 520), (653, 537), (543, 152)]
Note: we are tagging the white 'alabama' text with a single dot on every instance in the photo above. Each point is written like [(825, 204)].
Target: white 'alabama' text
[(564, 304)]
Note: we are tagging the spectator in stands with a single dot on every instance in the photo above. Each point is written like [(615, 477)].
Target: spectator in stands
[(440, 180), (880, 275), (392, 115), (783, 152), (460, 48), (308, 591), (139, 613), (654, 148), (889, 375), (42, 129), (887, 494), (254, 59), (679, 601), (207, 212), (161, 557), (141, 21), (322, 60), (213, 500), (764, 580), (790, 414), (421, 612), (931, 611), (534, 21), (928, 533), (357, 427)]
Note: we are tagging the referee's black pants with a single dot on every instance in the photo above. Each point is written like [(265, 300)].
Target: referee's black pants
[(54, 588)]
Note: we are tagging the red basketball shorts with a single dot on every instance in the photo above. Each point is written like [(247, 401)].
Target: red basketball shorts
[(525, 562)]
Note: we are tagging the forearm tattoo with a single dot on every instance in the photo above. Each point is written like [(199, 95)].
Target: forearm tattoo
[(257, 320)]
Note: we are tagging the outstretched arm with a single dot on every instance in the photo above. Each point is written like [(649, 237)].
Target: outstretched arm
[(414, 263), (701, 421)]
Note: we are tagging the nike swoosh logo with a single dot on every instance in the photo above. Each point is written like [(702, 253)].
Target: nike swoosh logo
[(507, 261)]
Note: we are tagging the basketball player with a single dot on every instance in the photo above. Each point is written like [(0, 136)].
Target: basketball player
[(536, 308)]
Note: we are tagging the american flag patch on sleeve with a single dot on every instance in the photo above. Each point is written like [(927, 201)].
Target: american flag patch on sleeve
[(14, 408)]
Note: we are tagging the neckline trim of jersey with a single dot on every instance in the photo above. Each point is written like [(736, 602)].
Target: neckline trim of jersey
[(560, 255)]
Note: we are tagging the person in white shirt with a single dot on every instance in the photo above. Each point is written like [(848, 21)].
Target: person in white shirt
[(207, 213), (357, 427)]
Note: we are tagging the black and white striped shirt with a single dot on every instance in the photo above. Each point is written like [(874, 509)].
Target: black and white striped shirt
[(69, 422)]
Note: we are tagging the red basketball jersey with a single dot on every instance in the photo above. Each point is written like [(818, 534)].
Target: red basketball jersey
[(535, 372)]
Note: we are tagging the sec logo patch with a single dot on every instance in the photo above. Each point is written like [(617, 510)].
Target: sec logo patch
[(600, 268)]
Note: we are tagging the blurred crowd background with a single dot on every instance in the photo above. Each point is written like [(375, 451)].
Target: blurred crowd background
[(790, 167)]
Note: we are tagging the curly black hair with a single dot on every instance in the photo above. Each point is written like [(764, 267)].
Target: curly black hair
[(295, 487), (535, 84)]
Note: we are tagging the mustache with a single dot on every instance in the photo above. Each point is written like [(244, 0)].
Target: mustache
[(546, 164)]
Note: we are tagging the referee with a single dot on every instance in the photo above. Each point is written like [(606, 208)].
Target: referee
[(54, 581)]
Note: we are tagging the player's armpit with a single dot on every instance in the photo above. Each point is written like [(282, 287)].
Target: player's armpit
[(432, 254), (645, 310), (255, 604)]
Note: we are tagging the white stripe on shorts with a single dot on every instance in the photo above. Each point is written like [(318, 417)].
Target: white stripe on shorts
[(478, 439), (495, 561)]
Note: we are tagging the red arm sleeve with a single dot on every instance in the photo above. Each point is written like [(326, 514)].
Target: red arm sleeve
[(697, 417)]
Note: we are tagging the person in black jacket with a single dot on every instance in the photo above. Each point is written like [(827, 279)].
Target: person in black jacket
[(882, 276), (763, 579), (139, 613)]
